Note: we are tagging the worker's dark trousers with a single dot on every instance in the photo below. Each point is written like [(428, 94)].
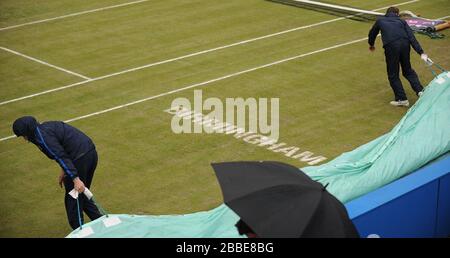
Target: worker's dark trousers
[(397, 53), (86, 166)]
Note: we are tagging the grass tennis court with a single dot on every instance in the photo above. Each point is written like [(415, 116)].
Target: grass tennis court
[(103, 54)]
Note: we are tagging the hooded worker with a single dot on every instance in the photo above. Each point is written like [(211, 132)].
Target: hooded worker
[(76, 155)]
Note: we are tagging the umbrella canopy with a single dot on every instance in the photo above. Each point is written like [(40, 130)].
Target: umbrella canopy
[(278, 200)]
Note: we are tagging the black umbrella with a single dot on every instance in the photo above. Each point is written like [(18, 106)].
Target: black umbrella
[(278, 200)]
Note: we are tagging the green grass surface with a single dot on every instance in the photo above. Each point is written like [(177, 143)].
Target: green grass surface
[(330, 102)]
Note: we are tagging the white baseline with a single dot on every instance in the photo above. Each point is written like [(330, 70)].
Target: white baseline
[(44, 63), (71, 15)]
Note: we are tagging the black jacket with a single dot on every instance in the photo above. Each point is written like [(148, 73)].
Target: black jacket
[(58, 140), (392, 29)]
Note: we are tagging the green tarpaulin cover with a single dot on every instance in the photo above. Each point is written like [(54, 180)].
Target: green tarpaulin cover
[(422, 135)]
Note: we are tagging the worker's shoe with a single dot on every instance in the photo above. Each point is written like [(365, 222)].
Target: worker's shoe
[(400, 103)]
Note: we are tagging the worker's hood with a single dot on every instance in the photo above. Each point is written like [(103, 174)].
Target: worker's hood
[(25, 126)]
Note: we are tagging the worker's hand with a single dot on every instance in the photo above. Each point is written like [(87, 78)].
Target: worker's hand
[(372, 48), (61, 178), (425, 58), (78, 185)]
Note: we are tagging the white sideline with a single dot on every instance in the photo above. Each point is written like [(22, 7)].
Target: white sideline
[(44, 63), (208, 82), (71, 15), (186, 56)]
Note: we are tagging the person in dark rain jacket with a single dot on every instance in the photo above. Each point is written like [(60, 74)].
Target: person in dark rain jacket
[(397, 38), (76, 155)]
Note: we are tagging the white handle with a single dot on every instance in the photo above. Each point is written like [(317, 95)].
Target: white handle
[(88, 193), (74, 194)]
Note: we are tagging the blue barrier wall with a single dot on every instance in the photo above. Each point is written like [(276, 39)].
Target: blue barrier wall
[(417, 205)]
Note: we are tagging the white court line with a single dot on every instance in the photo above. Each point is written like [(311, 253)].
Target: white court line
[(45, 63), (7, 138), (72, 15), (186, 56), (207, 82)]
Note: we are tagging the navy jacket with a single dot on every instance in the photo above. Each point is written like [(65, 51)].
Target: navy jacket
[(62, 143), (392, 29)]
